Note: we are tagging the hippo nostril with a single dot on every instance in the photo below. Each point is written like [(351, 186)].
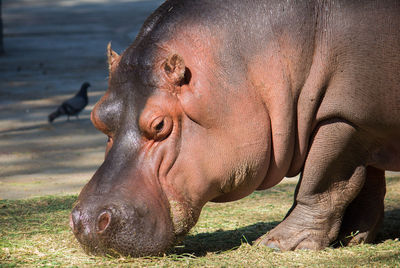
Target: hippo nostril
[(74, 219), (103, 221)]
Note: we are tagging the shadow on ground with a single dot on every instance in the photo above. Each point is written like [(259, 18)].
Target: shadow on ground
[(218, 241), (391, 226)]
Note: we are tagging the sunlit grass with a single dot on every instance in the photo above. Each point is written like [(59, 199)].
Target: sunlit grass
[(35, 232)]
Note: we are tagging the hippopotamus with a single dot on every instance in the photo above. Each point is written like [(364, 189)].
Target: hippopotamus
[(216, 99)]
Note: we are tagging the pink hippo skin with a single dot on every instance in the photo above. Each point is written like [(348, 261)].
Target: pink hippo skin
[(216, 99)]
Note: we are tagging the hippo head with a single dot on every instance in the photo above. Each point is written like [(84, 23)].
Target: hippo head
[(173, 145)]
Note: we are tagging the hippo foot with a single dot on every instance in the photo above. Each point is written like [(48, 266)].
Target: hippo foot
[(284, 240), (304, 229), (296, 232)]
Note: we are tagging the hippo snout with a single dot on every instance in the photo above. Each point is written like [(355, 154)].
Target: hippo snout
[(120, 227)]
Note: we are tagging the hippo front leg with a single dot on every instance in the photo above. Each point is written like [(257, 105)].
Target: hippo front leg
[(333, 176)]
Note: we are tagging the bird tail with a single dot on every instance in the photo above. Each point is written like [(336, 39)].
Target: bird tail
[(54, 115)]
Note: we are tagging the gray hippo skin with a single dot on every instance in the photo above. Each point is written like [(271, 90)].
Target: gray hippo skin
[(216, 99)]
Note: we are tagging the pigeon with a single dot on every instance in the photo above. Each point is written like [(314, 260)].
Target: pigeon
[(72, 106)]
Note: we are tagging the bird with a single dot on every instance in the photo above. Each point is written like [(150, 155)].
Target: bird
[(72, 106)]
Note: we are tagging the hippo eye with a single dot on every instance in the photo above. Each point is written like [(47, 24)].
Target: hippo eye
[(161, 127), (157, 125)]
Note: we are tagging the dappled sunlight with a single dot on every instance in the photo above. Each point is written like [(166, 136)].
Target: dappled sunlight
[(43, 158)]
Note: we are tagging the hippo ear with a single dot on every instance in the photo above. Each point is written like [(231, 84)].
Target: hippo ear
[(111, 55), (175, 69)]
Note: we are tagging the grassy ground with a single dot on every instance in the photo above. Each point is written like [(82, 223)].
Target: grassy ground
[(35, 232)]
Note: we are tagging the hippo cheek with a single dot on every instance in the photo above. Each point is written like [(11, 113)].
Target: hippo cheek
[(117, 226)]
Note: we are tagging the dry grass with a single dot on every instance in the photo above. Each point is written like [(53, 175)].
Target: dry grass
[(35, 233)]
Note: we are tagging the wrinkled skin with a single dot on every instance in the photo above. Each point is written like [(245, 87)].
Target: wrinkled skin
[(216, 99)]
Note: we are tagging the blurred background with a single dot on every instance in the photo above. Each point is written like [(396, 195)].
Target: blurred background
[(50, 48)]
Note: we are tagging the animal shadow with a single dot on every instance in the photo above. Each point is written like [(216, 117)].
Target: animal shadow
[(391, 226), (218, 241)]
